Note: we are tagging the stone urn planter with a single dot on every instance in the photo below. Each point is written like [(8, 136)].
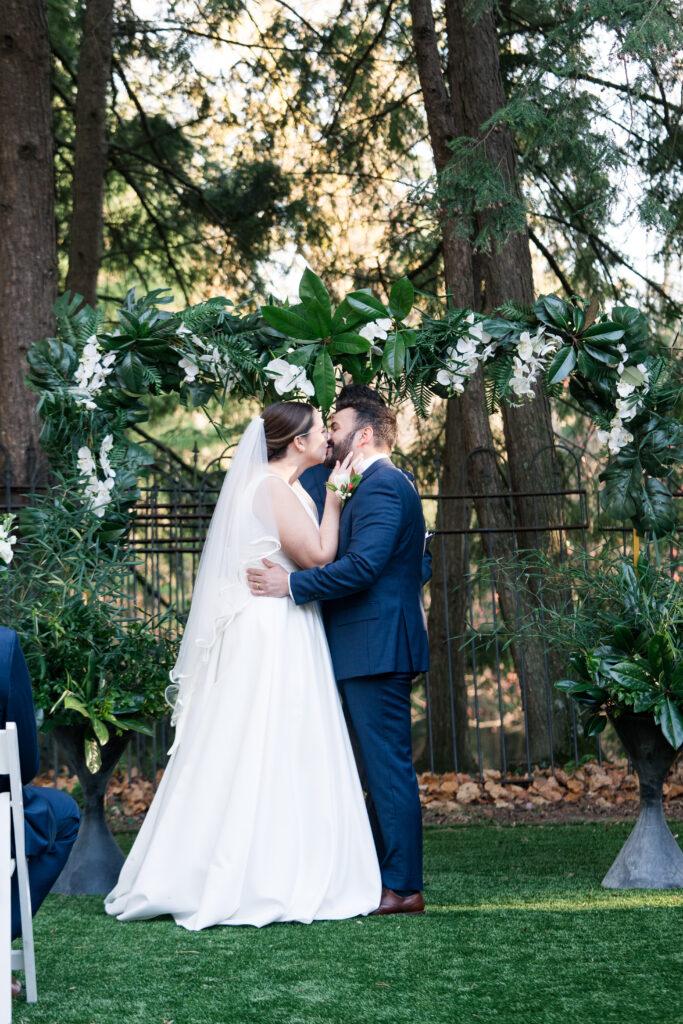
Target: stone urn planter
[(96, 860), (650, 858)]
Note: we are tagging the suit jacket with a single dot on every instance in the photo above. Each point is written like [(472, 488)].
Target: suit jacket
[(314, 479), (372, 593), (16, 705)]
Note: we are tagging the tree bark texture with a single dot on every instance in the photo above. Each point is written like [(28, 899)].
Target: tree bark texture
[(481, 282), (90, 150), (28, 246)]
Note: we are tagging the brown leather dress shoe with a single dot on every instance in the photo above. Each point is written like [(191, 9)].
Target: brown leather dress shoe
[(392, 903), (16, 987)]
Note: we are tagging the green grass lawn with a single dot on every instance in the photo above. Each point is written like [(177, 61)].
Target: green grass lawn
[(518, 929)]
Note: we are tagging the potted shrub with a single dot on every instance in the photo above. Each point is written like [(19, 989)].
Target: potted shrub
[(98, 668), (624, 634)]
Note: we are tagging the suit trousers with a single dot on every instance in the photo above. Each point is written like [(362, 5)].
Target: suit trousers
[(378, 714), (45, 866)]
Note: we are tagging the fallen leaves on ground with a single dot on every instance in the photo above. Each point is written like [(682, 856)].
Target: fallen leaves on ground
[(609, 787), (590, 790)]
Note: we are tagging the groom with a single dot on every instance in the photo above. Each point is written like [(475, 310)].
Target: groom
[(372, 605)]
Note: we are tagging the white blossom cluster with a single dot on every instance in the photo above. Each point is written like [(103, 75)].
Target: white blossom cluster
[(97, 492), (288, 377), (7, 541), (632, 386), (376, 330), (463, 358), (91, 373), (211, 359), (530, 360)]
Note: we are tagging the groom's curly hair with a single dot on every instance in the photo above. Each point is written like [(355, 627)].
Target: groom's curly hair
[(371, 411), (284, 421)]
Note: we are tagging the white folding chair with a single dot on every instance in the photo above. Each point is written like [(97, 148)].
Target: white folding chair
[(12, 809)]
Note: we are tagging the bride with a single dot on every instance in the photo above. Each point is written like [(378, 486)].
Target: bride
[(260, 815)]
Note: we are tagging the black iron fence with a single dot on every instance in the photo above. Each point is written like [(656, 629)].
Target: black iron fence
[(489, 699)]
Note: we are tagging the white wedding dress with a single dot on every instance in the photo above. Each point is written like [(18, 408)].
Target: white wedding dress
[(260, 815)]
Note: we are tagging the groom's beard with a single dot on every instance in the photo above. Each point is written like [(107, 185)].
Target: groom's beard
[(337, 451)]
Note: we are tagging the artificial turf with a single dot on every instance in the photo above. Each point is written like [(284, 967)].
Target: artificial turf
[(518, 930)]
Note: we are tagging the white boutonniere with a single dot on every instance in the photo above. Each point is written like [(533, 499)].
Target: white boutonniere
[(344, 484)]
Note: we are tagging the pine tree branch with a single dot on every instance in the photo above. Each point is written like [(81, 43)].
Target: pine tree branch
[(554, 265), (159, 225)]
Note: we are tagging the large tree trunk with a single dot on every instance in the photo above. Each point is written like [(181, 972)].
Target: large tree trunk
[(448, 684), (90, 151), (477, 93), (483, 282), (28, 247)]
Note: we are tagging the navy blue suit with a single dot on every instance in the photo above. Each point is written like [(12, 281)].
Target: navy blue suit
[(314, 479), (51, 817), (375, 624)]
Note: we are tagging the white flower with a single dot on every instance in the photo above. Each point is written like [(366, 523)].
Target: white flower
[(6, 545), (529, 360), (86, 462), (618, 438), (7, 542), (91, 373), (625, 389), (97, 493), (340, 479), (376, 329), (190, 369), (105, 448), (288, 377)]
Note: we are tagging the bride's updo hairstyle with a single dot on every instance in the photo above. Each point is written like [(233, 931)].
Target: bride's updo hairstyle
[(284, 421)]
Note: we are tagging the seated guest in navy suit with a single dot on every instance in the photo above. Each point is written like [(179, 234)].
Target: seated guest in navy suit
[(51, 816)]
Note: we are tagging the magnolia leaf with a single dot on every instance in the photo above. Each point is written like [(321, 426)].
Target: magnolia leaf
[(349, 342), (311, 289), (93, 755), (562, 365), (324, 380), (658, 511), (409, 338), (401, 298), (620, 496), (605, 354), (604, 331), (393, 359), (630, 675), (671, 722), (368, 305), (319, 317), (634, 324), (594, 725), (290, 324), (553, 311), (131, 374), (632, 375), (578, 319), (591, 313)]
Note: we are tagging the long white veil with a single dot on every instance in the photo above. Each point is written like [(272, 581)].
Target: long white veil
[(243, 530)]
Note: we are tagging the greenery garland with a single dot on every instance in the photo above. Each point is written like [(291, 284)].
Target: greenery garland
[(68, 589), (93, 381)]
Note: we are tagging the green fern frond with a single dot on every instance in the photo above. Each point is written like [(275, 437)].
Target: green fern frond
[(519, 312)]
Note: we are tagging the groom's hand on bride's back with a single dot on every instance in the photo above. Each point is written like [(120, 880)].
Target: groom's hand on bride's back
[(272, 581)]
